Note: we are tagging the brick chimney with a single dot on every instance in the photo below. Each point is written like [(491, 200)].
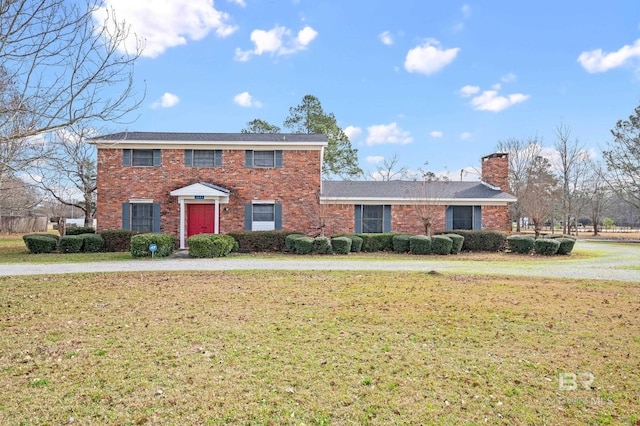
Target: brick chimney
[(495, 170)]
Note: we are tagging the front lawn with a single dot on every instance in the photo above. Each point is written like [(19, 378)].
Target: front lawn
[(317, 348)]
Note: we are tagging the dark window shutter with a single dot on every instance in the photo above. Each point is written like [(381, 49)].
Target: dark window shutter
[(126, 157), (248, 216), (449, 218), (156, 158), (248, 158), (126, 216), (188, 157), (279, 158), (357, 213), (217, 158), (277, 210), (156, 217), (477, 218), (386, 217)]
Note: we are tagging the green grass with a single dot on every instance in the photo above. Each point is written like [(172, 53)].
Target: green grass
[(13, 250), (315, 348)]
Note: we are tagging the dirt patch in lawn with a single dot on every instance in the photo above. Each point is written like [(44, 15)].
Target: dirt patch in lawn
[(317, 348)]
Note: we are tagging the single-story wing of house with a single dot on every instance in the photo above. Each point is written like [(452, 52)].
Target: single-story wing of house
[(191, 183)]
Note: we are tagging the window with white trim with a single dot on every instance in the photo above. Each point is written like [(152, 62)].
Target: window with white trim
[(263, 217), (141, 217)]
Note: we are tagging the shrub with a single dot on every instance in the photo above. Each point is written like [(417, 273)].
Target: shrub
[(91, 243), (70, 244), (304, 245), (420, 244), (140, 245), (441, 244), (401, 243), (116, 239), (566, 245), (547, 246), (322, 245), (356, 243), (255, 241), (341, 245), (475, 241), (79, 230), (458, 241), (210, 245), (40, 243), (290, 242), (522, 244)]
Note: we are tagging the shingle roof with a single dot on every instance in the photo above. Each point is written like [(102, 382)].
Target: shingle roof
[(211, 137), (413, 190)]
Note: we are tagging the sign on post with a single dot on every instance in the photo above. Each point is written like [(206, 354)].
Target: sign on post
[(152, 249)]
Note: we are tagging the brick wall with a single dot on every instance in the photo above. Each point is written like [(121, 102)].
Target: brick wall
[(295, 185), (495, 170)]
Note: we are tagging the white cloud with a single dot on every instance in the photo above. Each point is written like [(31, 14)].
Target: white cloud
[(244, 99), (375, 159), (598, 61), (489, 100), (388, 134), (386, 38), (240, 3), (277, 41), (508, 78), (165, 24), (167, 100), (429, 58), (468, 90), (353, 132), (436, 134), (465, 136)]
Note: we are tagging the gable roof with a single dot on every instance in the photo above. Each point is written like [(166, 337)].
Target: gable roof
[(218, 140), (409, 192)]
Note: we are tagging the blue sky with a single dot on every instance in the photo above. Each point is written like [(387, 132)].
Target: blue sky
[(430, 81)]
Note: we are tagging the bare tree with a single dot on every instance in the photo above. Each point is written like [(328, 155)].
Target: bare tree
[(573, 168), (426, 197), (597, 194), (391, 170), (61, 67), (539, 194), (522, 155), (69, 174)]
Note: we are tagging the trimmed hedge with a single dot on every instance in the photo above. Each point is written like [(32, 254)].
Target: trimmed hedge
[(547, 246), (70, 244), (441, 244), (304, 245), (377, 242), (566, 245), (140, 245), (79, 230), (356, 243), (341, 245), (458, 241), (522, 244), (256, 241), (493, 241), (91, 243), (210, 245), (290, 242), (117, 239), (420, 244), (41, 243), (322, 245), (401, 243)]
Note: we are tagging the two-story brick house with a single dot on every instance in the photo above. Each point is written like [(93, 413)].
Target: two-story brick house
[(191, 183)]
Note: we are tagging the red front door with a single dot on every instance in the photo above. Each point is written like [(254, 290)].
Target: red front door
[(200, 219)]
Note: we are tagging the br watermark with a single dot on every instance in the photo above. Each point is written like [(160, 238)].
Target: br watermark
[(574, 381)]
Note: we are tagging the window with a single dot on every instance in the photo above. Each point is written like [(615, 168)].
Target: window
[(264, 158), (202, 157), (464, 218), (141, 157), (141, 216), (263, 216), (370, 219)]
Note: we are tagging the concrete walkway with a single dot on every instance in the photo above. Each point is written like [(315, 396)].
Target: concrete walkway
[(613, 261)]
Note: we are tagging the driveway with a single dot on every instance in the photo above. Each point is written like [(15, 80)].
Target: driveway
[(614, 261)]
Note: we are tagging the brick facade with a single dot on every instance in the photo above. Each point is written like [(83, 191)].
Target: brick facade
[(295, 185), (495, 170)]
